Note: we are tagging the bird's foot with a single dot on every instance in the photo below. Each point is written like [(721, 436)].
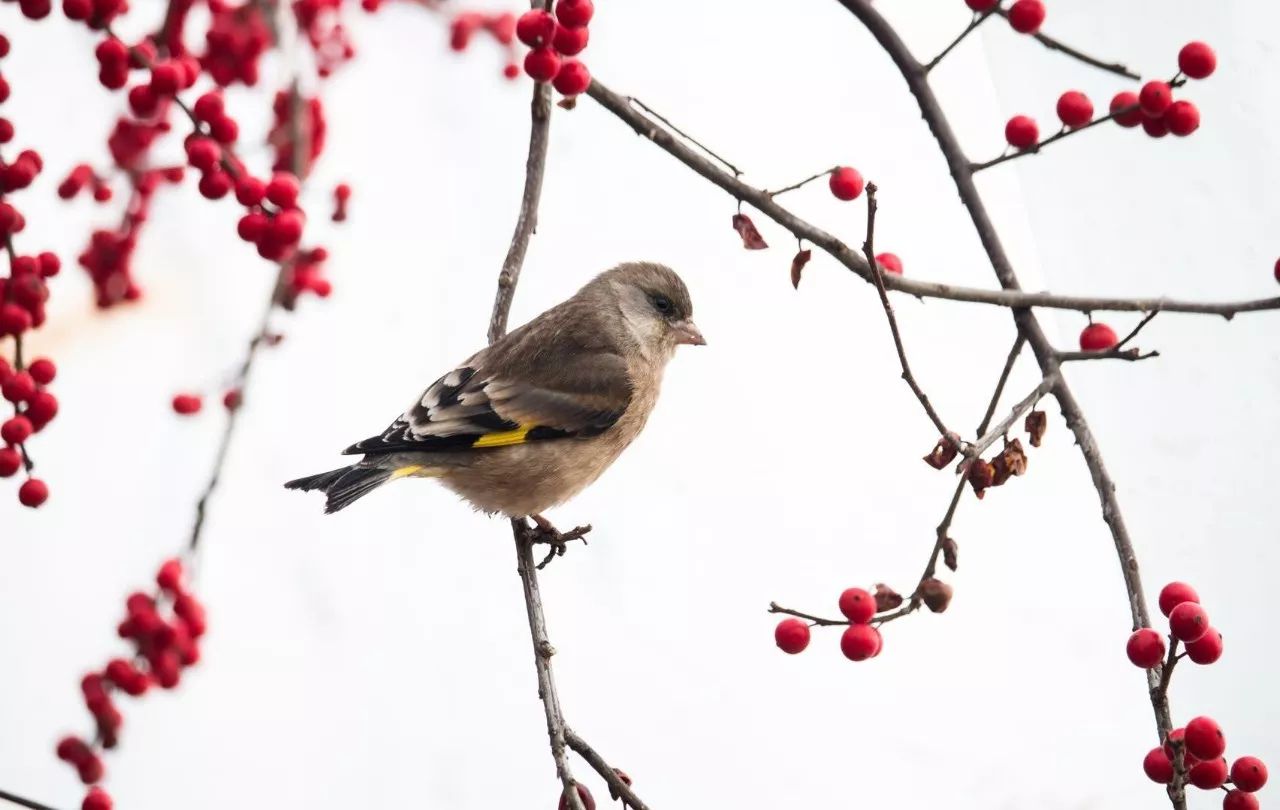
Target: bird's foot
[(542, 531)]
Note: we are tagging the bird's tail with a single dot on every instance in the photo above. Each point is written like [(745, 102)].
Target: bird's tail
[(344, 485)]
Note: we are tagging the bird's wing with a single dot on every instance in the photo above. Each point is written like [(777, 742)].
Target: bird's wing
[(511, 398)]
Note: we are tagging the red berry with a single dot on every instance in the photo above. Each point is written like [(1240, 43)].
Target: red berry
[(1155, 98), (6, 130), (232, 399), (1239, 800), (203, 153), (511, 70), (252, 226), (535, 28), (574, 13), (50, 264), (584, 795), (1208, 775), (1277, 270), (283, 190), (1074, 109), (1249, 774), (186, 404), (541, 64), (1182, 118), (16, 430), (1188, 622), (165, 78), (981, 5), (845, 183), (572, 78), (224, 129), (249, 190), (215, 185), (14, 320), (570, 41), (286, 227), (19, 388), (73, 750), (1026, 16), (791, 636), (1097, 337), (10, 461), (209, 107), (890, 263), (1145, 648), (96, 799), (1205, 739), (1021, 132), (33, 492), (41, 409), (42, 370), (1157, 766), (1155, 127), (1206, 649), (169, 577), (1174, 594), (860, 642), (1197, 60), (857, 605)]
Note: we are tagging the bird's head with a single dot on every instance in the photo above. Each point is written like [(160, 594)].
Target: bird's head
[(655, 306)]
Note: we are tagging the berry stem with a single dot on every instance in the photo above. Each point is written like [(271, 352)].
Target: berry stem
[(774, 607), (806, 181), (1056, 45), (978, 19)]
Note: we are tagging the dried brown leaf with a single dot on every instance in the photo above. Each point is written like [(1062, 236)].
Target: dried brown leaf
[(949, 551), (980, 475), (751, 238), (1035, 425), (942, 454), (886, 598), (1011, 461), (797, 264), (935, 594)]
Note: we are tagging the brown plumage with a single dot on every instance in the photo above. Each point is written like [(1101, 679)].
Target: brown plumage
[(532, 420)]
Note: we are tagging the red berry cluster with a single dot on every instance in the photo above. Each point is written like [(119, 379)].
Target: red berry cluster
[(860, 639), (1154, 107), (1201, 743), (311, 126), (1025, 16), (165, 630), (320, 21), (236, 39), (564, 35), (500, 26), (23, 293)]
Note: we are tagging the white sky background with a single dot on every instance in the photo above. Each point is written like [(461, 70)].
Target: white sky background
[(381, 657)]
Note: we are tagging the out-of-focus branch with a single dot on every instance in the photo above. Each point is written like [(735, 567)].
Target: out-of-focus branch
[(1013, 298), (22, 802)]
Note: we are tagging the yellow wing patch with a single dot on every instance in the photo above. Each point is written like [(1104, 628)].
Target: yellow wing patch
[(413, 469), (504, 438)]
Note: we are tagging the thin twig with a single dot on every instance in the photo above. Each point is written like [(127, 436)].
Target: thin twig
[(1062, 133), (1009, 362), (1028, 402), (795, 186), (668, 141), (21, 802), (1028, 325), (868, 249), (774, 607), (597, 762), (706, 150), (1056, 45), (978, 19)]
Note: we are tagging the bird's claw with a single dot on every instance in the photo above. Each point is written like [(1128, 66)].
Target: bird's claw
[(542, 531)]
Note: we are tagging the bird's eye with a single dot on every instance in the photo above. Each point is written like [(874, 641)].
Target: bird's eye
[(662, 304)]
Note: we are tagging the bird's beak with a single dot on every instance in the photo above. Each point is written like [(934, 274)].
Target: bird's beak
[(687, 333)]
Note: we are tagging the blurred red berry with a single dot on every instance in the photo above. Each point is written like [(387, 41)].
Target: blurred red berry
[(10, 461), (96, 799), (541, 64), (1155, 98), (570, 41), (187, 404), (16, 430), (1074, 109), (232, 399), (1182, 118), (845, 183), (1205, 739), (889, 263), (1145, 648), (33, 492), (1197, 60), (574, 13), (1207, 649), (1097, 337), (19, 387), (1157, 766), (1248, 774), (791, 636), (209, 107), (860, 642), (169, 577), (535, 28), (573, 78), (982, 5), (1021, 132), (1155, 127), (1239, 800), (283, 190), (42, 370), (1174, 594), (1188, 622), (250, 190), (1026, 16), (584, 795), (857, 605)]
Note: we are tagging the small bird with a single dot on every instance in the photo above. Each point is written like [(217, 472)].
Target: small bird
[(533, 419)]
